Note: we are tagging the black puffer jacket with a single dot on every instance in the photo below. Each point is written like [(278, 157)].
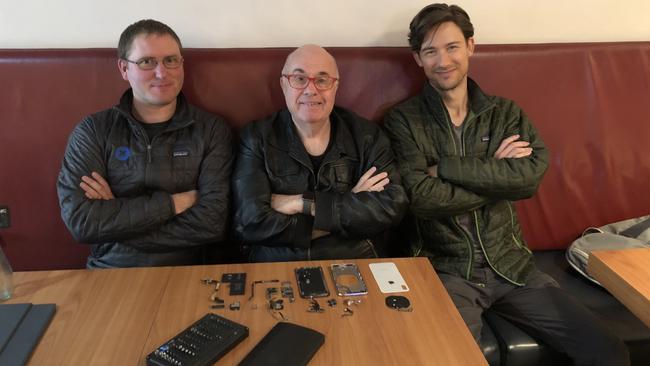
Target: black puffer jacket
[(272, 159), (138, 227)]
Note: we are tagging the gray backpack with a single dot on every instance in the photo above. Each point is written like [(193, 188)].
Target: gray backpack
[(632, 233)]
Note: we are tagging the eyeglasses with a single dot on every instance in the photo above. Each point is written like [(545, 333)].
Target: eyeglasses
[(321, 82), (150, 63)]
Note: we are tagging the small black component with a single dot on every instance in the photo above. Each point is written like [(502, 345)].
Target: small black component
[(331, 302), (237, 283), (258, 282), (270, 291), (314, 306), (201, 344), (287, 291), (276, 304), (235, 305), (217, 306)]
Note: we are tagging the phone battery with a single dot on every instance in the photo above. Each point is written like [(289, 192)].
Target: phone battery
[(237, 282)]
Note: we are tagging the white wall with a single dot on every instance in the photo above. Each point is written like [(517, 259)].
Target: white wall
[(278, 23)]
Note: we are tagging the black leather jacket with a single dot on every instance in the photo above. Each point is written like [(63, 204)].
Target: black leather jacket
[(138, 227), (272, 159)]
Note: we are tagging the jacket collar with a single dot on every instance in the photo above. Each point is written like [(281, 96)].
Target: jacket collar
[(180, 119), (286, 138), (479, 102)]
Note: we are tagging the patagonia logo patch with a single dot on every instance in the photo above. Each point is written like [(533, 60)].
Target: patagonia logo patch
[(122, 153), (180, 153), (485, 138)]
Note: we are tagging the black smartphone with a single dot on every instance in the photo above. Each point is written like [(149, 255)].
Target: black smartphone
[(311, 282)]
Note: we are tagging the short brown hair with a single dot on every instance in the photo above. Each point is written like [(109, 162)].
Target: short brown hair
[(431, 16), (144, 26)]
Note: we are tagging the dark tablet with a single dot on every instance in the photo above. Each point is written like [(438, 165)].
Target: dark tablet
[(286, 344)]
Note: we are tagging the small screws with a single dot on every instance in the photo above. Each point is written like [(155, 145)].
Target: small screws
[(314, 306), (216, 298), (208, 281), (350, 302)]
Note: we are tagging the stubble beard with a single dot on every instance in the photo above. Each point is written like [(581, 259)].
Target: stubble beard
[(445, 88)]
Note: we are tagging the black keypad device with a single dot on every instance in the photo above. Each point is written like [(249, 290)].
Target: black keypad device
[(201, 344)]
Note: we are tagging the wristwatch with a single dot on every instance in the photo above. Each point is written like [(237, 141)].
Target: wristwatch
[(307, 203)]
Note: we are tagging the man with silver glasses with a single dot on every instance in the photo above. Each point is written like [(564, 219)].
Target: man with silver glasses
[(146, 182), (314, 181)]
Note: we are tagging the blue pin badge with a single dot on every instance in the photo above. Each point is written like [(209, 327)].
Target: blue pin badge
[(122, 153)]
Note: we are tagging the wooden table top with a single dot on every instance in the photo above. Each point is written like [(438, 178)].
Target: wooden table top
[(625, 274), (118, 316)]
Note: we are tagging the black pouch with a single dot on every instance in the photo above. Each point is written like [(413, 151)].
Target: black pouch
[(286, 344)]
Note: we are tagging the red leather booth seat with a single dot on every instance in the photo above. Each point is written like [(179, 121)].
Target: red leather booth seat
[(591, 103)]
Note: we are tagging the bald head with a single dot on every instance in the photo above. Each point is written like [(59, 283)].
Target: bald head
[(310, 104), (310, 55)]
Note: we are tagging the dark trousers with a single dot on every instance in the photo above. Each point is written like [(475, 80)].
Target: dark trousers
[(328, 247), (542, 309)]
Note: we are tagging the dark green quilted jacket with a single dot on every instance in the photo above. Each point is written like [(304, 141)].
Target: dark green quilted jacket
[(470, 180)]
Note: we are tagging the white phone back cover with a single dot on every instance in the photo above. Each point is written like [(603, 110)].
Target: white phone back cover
[(388, 277)]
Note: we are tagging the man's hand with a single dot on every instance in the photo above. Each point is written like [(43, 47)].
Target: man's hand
[(433, 171), (287, 204), (370, 183), (315, 234), (96, 187), (512, 147), (184, 200)]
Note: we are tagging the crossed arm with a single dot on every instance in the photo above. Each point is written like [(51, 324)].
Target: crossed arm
[(262, 215), (292, 204), (510, 148), (458, 184), (95, 187), (153, 220)]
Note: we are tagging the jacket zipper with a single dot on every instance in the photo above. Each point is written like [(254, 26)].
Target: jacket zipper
[(480, 241), (420, 242), (314, 188), (512, 226), (372, 247), (455, 219), (316, 177), (478, 234)]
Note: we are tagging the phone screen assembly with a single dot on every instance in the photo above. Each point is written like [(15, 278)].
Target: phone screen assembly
[(311, 282), (347, 280)]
